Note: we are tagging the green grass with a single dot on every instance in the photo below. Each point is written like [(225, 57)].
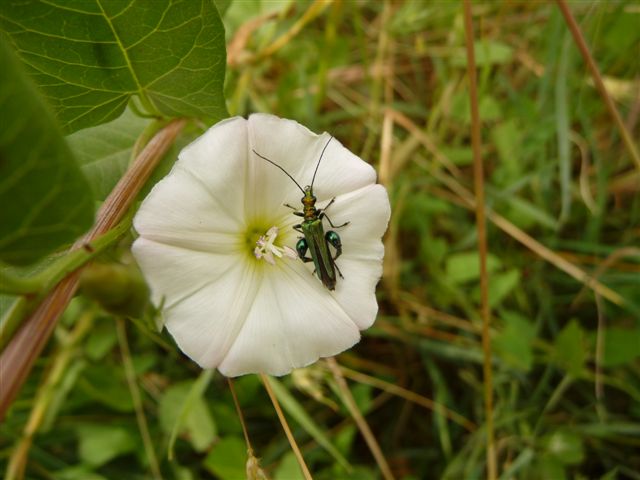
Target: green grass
[(565, 356)]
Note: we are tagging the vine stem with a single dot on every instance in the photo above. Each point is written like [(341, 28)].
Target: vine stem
[(245, 432), (481, 224), (18, 357)]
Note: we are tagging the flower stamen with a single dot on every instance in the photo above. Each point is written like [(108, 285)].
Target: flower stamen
[(265, 248)]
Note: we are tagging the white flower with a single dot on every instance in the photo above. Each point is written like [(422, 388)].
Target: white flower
[(216, 243)]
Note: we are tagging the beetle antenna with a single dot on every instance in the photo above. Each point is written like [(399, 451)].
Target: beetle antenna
[(286, 173), (319, 160)]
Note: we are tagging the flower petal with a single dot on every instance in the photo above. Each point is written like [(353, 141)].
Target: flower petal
[(174, 273), (199, 204), (367, 210), (339, 172), (218, 159), (292, 323), (356, 292), (206, 324)]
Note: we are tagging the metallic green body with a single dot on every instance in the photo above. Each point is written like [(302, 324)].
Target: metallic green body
[(313, 232)]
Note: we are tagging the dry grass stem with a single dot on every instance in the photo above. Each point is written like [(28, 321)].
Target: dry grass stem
[(240, 415), (478, 176), (285, 427), (409, 396), (597, 78), (138, 406), (362, 424)]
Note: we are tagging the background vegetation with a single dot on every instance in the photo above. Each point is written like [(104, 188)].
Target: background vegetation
[(111, 398)]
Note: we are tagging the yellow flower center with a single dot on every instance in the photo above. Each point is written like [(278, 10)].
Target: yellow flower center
[(261, 243)]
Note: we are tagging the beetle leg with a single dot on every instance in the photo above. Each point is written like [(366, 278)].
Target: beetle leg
[(324, 215), (295, 210), (338, 268)]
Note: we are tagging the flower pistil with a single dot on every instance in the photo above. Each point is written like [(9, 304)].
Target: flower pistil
[(266, 249)]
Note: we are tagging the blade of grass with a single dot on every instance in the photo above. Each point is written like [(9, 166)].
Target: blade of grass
[(478, 176), (254, 471), (562, 129)]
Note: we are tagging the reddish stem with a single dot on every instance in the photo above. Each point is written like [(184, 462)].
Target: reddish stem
[(19, 355)]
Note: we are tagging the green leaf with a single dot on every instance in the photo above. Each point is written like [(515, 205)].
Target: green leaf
[(621, 345), (184, 411), (465, 266), (105, 151), (548, 467), (227, 459), (507, 137), (289, 468), (488, 106), (565, 446), (514, 343), (101, 340), (106, 384), (90, 57), (77, 472), (46, 201), (487, 53), (98, 444), (501, 284), (569, 348), (523, 212)]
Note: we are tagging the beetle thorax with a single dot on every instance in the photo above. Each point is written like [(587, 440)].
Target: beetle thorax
[(309, 204)]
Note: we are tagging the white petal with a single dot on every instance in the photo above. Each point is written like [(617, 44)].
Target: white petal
[(293, 322), (199, 204), (207, 323), (175, 273), (179, 211), (218, 159), (368, 212), (297, 150), (340, 171), (356, 292)]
